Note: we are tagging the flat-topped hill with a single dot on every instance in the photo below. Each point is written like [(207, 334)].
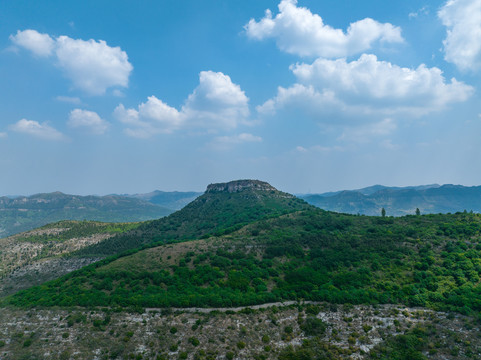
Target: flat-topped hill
[(240, 185), (223, 208)]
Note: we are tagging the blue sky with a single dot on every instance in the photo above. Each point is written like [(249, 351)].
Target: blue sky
[(311, 96)]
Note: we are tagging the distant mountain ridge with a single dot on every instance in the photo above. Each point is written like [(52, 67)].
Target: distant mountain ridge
[(174, 200), (399, 201), (24, 213)]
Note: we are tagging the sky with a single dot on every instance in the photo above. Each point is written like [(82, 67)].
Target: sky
[(101, 97)]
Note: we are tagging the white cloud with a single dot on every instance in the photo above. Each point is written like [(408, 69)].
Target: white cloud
[(88, 120), (152, 117), (69, 99), (3, 135), (298, 31), (39, 44), (34, 128), (462, 45), (92, 66), (216, 104), (367, 86), (422, 11)]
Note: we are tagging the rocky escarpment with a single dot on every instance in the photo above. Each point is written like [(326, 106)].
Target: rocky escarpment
[(240, 185)]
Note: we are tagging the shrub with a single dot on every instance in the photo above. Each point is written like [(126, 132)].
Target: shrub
[(194, 341), (313, 326)]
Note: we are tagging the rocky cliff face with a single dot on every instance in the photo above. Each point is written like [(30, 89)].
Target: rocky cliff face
[(240, 185)]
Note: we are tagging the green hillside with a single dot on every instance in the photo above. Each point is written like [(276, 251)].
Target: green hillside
[(223, 208), (431, 260)]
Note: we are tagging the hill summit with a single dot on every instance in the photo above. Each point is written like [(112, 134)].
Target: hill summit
[(240, 185), (223, 208)]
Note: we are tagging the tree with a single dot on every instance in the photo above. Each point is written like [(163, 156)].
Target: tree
[(383, 212), (418, 212)]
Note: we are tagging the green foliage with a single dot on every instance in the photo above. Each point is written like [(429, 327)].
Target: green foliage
[(409, 346), (313, 326), (428, 260), (194, 341), (217, 214)]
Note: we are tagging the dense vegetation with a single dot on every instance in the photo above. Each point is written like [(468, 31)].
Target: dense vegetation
[(430, 260), (211, 213)]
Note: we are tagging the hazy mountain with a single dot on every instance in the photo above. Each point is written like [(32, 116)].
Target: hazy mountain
[(24, 213), (174, 200), (430, 199)]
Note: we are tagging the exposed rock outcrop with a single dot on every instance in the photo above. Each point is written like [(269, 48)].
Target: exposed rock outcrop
[(240, 185)]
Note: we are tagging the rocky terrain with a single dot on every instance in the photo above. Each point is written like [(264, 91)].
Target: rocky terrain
[(342, 332), (240, 185), (39, 255)]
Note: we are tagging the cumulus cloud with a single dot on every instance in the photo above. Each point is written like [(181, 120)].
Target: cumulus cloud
[(298, 31), (39, 44), (215, 104), (34, 128), (92, 66), (87, 120), (152, 117), (462, 45), (367, 86)]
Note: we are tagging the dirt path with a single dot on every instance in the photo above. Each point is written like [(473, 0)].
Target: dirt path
[(235, 309)]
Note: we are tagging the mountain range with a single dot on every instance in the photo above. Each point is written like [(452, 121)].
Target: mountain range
[(397, 201), (23, 213)]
